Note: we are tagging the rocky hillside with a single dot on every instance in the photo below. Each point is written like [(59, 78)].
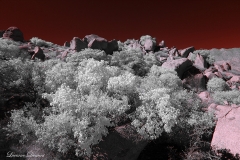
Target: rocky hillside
[(213, 75)]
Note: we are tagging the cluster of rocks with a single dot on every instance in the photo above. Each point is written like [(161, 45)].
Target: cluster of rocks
[(194, 73)]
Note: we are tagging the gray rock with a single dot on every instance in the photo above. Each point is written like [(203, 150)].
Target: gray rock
[(179, 65)]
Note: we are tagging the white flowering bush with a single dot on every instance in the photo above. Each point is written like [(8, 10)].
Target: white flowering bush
[(216, 84), (87, 53), (83, 117), (9, 49), (94, 75), (166, 105), (156, 114), (60, 73), (123, 84), (89, 95)]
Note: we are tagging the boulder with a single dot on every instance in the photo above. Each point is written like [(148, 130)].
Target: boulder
[(98, 44), (185, 52), (112, 46), (122, 143), (173, 52), (234, 82), (13, 33), (1, 33), (218, 74), (77, 44), (148, 43), (195, 82), (235, 79), (211, 69), (200, 62), (162, 44), (133, 44), (226, 134), (38, 52), (66, 44), (88, 38), (179, 65), (64, 55), (210, 75), (161, 54)]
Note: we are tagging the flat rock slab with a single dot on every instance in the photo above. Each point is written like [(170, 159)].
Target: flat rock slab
[(227, 131)]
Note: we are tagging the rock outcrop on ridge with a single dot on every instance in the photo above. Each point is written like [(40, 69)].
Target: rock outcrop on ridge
[(194, 67), (13, 33)]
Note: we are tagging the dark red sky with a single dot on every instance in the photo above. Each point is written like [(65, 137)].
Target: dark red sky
[(181, 23)]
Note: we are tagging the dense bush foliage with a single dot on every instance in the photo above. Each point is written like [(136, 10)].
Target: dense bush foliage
[(10, 49), (232, 97), (89, 91), (39, 42), (216, 84)]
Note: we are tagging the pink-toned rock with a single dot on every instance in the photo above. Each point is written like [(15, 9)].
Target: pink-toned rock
[(185, 52), (174, 52), (211, 69), (89, 38), (218, 74), (235, 79), (226, 134), (148, 43), (219, 67), (133, 44), (223, 65), (162, 44), (200, 62), (64, 55), (13, 33), (210, 75), (179, 65), (66, 44), (77, 44), (38, 52)]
